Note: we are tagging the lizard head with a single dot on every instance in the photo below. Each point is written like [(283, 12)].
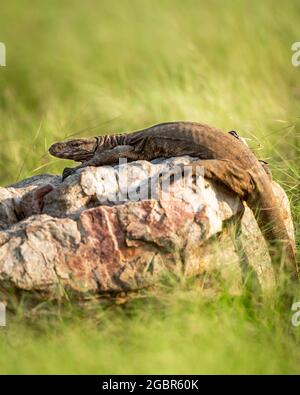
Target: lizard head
[(78, 149)]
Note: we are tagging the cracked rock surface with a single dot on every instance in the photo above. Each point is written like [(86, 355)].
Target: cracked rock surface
[(94, 234)]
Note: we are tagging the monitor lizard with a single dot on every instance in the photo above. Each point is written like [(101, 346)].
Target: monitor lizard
[(224, 157)]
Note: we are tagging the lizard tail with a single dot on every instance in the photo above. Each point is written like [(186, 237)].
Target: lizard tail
[(270, 220)]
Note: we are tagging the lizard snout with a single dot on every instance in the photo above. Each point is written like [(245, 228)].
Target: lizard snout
[(56, 149)]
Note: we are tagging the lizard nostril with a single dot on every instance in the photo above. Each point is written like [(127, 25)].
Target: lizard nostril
[(55, 149), (52, 149)]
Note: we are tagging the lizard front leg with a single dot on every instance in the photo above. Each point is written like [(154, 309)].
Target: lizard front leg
[(105, 158)]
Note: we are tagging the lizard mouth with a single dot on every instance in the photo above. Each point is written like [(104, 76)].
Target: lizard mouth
[(78, 149)]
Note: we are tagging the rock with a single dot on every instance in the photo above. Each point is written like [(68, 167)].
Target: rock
[(92, 234), (23, 199)]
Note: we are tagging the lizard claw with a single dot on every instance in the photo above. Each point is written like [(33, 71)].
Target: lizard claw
[(68, 171)]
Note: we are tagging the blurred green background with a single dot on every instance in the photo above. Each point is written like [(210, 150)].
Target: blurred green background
[(90, 67)]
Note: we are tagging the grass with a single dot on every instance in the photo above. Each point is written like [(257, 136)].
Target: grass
[(177, 332), (111, 66)]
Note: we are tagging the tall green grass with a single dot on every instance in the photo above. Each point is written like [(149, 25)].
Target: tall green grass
[(175, 332), (92, 67)]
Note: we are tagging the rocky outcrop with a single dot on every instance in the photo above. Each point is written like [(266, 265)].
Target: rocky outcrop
[(94, 234)]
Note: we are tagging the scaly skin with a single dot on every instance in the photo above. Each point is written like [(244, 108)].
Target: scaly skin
[(224, 157)]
